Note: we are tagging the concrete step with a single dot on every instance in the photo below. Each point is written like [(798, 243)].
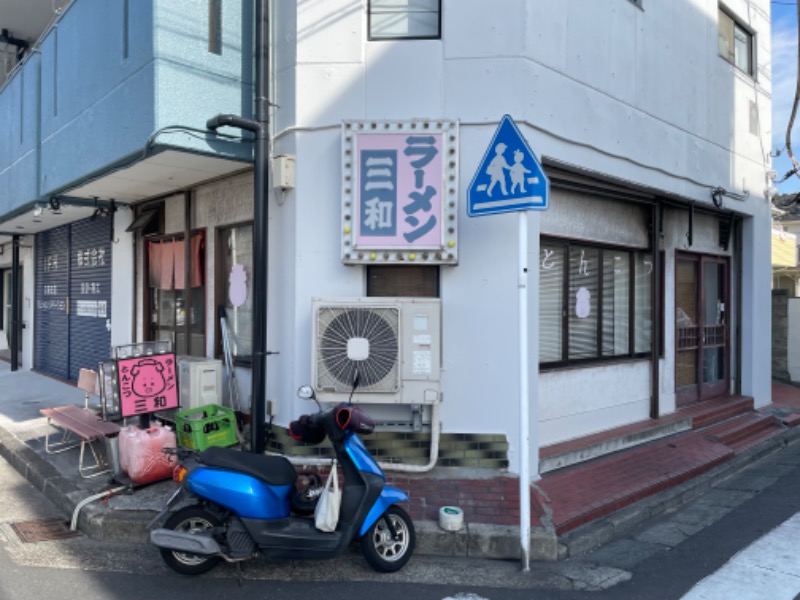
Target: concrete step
[(565, 454)]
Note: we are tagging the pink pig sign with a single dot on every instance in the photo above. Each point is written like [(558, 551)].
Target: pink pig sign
[(147, 384)]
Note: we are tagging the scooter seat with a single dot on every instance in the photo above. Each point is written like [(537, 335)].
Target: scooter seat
[(274, 470)]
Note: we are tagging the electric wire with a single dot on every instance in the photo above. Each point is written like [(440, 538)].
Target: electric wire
[(795, 164)]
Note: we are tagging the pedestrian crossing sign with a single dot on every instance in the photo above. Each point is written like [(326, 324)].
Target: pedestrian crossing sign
[(509, 178)]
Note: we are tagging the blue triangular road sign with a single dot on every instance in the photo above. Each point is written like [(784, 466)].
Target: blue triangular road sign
[(509, 178)]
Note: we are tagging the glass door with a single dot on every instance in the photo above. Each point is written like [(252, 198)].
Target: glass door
[(701, 327), (6, 314)]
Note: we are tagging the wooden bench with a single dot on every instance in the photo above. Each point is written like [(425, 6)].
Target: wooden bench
[(79, 427)]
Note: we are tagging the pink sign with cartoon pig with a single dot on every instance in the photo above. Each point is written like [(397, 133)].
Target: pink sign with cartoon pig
[(147, 384)]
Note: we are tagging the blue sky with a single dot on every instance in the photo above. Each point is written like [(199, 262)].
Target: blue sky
[(784, 83)]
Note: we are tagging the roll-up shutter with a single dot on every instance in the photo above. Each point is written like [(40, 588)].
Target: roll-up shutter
[(51, 342), (73, 298), (90, 294)]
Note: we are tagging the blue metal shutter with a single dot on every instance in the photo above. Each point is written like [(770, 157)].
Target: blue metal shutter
[(51, 339), (90, 294)]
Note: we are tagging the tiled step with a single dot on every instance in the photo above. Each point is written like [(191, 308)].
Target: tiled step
[(565, 454), (755, 438), (790, 420), (716, 410), (583, 493), (740, 428)]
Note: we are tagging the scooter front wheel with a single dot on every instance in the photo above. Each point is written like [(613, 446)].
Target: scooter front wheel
[(389, 543), (192, 519)]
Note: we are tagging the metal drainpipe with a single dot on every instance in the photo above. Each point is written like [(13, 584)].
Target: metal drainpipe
[(16, 312), (657, 312), (260, 127)]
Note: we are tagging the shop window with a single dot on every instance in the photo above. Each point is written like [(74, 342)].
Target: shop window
[(177, 315), (413, 281), (594, 302), (234, 285), (735, 43), (404, 19)]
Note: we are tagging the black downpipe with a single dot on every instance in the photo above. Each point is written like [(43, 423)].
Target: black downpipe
[(16, 309), (657, 311), (187, 271), (260, 233), (260, 127)]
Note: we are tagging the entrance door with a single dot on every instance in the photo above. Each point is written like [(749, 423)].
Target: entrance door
[(701, 327), (6, 315)]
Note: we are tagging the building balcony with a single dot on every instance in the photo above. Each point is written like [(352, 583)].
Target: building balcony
[(111, 101)]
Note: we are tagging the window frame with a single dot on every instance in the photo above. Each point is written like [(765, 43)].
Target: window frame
[(429, 276), (737, 27), (566, 246), (377, 38), (220, 279)]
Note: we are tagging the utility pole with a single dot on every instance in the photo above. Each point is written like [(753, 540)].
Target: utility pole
[(260, 127)]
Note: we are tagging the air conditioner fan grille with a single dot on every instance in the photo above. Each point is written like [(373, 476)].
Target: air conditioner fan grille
[(379, 371)]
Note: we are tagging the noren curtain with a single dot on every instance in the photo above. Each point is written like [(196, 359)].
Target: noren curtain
[(167, 263)]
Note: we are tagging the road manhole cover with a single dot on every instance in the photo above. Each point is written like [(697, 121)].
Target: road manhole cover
[(43, 530)]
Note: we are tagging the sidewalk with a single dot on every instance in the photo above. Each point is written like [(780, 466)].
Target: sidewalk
[(575, 509)]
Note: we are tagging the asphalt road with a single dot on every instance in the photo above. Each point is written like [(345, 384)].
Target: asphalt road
[(663, 559)]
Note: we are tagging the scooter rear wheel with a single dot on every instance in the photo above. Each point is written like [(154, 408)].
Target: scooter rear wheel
[(384, 551), (192, 519)]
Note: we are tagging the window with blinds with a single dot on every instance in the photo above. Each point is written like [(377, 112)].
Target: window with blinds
[(594, 302)]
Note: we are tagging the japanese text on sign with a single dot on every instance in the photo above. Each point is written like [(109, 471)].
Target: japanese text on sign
[(90, 257), (147, 384), (399, 186)]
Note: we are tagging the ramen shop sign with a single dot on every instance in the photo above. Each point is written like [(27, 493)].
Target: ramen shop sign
[(399, 192)]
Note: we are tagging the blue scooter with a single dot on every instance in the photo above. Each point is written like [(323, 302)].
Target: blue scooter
[(245, 503)]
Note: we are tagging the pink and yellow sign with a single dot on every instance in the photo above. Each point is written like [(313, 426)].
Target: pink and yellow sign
[(147, 384), (400, 202)]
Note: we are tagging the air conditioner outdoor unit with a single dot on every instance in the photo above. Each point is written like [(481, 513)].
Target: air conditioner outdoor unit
[(393, 343), (199, 381)]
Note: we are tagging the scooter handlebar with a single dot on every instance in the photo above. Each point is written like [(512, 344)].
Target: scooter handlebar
[(334, 423)]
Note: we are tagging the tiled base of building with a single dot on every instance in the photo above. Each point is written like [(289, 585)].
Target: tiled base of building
[(484, 451)]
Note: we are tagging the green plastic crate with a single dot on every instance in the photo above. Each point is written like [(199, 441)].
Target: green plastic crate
[(204, 426)]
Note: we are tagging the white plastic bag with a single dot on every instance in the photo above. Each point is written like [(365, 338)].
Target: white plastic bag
[(326, 514)]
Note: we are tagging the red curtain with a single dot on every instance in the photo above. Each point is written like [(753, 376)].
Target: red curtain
[(167, 263)]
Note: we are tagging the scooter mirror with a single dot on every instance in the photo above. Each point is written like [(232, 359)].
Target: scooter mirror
[(306, 392)]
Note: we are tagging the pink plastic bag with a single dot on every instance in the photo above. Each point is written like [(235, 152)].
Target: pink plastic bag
[(145, 460)]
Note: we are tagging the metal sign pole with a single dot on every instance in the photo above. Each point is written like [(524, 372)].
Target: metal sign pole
[(488, 194), (524, 426)]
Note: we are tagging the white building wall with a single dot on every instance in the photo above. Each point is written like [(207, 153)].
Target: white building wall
[(638, 95), (26, 261), (793, 339), (122, 283)]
